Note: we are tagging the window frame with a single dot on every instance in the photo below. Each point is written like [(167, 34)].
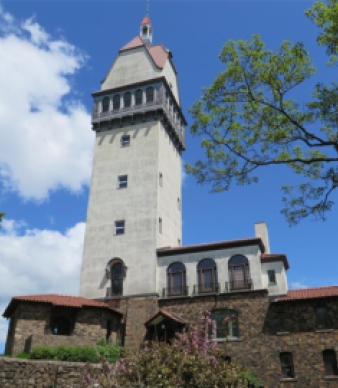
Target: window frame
[(119, 230), (234, 284), (330, 362), (126, 100), (273, 273), (322, 325), (117, 102), (287, 365), (125, 141), (201, 273), (170, 279), (116, 277), (122, 184), (160, 225), (150, 94), (138, 97), (232, 330), (105, 106)]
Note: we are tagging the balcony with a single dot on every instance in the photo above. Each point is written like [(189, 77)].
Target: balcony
[(238, 285), (207, 288), (175, 291)]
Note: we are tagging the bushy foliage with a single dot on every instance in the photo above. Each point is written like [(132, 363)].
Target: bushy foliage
[(111, 352), (191, 360), (42, 353), (22, 355)]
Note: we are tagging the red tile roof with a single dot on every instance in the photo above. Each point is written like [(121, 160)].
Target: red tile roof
[(157, 53), (146, 20), (56, 300), (310, 293), (167, 314), (275, 257), (168, 251)]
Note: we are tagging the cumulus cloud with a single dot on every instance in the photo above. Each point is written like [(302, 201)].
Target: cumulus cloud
[(38, 261), (45, 136)]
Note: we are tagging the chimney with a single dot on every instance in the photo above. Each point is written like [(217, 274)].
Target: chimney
[(261, 230)]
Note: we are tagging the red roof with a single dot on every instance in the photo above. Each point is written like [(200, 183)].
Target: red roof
[(265, 257), (166, 314), (146, 20), (56, 300), (158, 53), (310, 293)]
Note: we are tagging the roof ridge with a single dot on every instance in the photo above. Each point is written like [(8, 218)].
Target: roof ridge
[(313, 288)]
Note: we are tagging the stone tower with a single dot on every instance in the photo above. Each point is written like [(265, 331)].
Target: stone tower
[(135, 194)]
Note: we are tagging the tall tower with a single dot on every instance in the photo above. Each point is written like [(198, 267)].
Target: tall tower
[(135, 194)]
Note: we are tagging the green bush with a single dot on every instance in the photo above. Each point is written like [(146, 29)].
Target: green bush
[(42, 353), (84, 354), (22, 355), (111, 352)]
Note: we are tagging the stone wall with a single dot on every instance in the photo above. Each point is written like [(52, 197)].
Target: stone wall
[(259, 344), (40, 374)]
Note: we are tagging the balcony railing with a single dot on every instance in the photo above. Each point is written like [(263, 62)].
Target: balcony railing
[(236, 285), (207, 288), (175, 291)]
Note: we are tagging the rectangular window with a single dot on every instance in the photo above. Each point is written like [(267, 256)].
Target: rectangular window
[(160, 179), (179, 242), (287, 365), (160, 225), (178, 204), (272, 276), (122, 181), (125, 140), (119, 227)]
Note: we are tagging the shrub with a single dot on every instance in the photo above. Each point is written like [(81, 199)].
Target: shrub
[(84, 354), (111, 352), (42, 353), (22, 355)]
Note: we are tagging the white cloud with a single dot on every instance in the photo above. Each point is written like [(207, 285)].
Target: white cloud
[(298, 285), (45, 136), (36, 261)]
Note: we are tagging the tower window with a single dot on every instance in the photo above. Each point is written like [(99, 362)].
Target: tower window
[(105, 104), (119, 227), (160, 225), (144, 30), (138, 97), (127, 99), (272, 276), (150, 94), (160, 179), (322, 318), (116, 276), (178, 204), (116, 102), (125, 140), (122, 181)]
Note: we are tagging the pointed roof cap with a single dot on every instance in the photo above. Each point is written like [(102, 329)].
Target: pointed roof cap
[(146, 20)]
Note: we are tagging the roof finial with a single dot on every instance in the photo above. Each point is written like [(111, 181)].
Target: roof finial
[(148, 4)]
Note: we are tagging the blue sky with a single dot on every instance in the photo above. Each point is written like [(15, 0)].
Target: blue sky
[(53, 54)]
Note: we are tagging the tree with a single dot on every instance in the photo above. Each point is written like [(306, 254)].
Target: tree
[(248, 120), (1, 217)]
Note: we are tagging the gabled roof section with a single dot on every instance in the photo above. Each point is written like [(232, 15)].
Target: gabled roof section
[(266, 258), (56, 300), (157, 53), (169, 251), (163, 314), (146, 20), (310, 293)]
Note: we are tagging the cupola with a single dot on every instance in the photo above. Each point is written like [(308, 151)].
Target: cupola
[(146, 31)]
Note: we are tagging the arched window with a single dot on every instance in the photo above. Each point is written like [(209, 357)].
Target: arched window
[(176, 277), (116, 102), (116, 277), (322, 318), (105, 104), (239, 273), (286, 361), (150, 94), (207, 276), (127, 99), (330, 362), (138, 97), (226, 321), (61, 326)]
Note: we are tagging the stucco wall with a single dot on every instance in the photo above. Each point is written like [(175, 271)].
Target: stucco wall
[(281, 286)]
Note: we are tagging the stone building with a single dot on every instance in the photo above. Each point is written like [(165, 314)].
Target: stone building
[(133, 258), (54, 320)]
